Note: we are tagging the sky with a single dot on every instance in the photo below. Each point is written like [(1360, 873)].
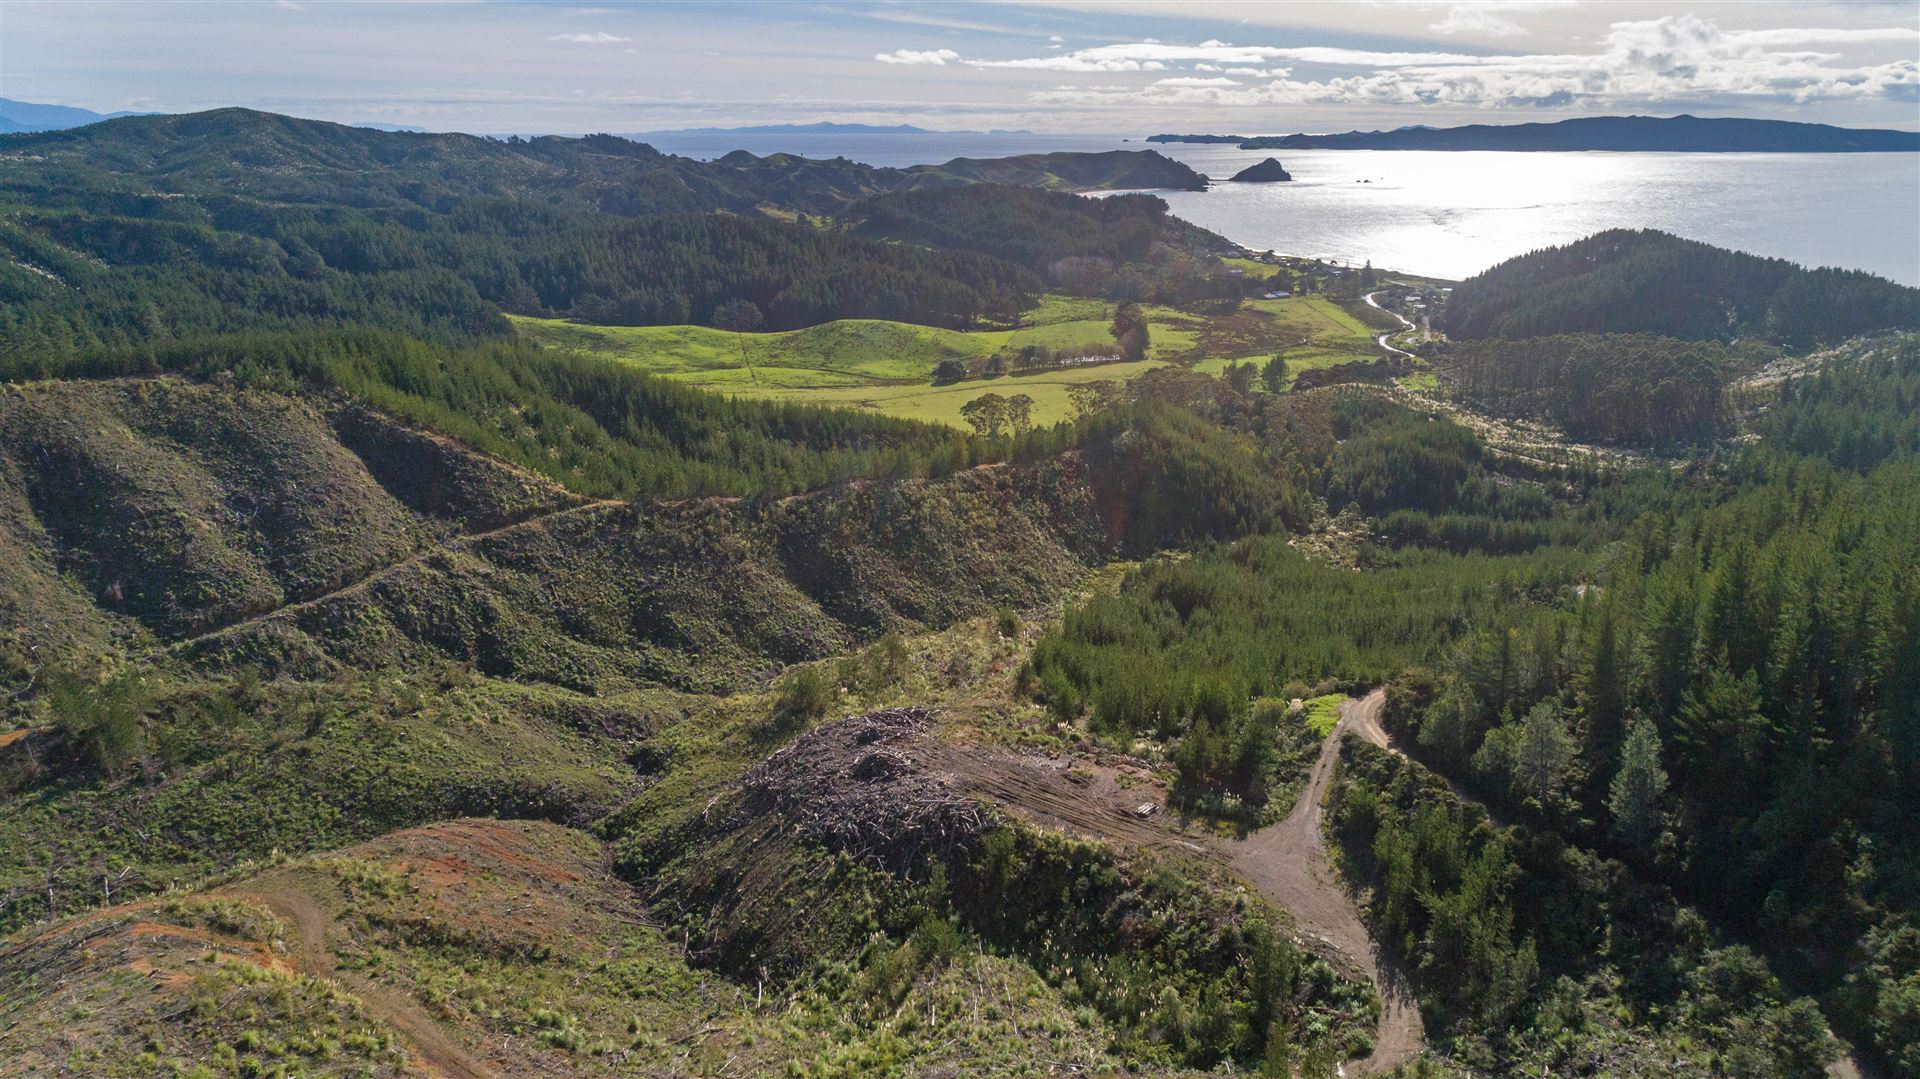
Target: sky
[(1099, 66)]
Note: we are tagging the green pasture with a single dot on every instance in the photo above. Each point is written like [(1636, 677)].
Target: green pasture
[(888, 366)]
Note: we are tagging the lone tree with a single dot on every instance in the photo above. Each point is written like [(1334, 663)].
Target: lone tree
[(1240, 376), (1274, 374), (1020, 413), (1544, 767), (987, 413), (1130, 331), (1635, 796), (742, 317)]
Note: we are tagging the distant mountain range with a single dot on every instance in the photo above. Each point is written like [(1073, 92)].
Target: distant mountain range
[(823, 128), (21, 116), (18, 116), (1679, 134)]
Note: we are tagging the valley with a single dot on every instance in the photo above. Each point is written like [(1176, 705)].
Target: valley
[(485, 607)]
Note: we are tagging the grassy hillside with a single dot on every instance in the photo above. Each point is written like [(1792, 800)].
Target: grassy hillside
[(170, 507), (244, 529), (1050, 391), (419, 701), (514, 937)]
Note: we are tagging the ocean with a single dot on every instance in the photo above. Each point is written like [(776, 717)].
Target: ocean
[(1454, 214)]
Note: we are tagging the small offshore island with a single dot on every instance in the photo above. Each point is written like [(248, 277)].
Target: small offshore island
[(1266, 172)]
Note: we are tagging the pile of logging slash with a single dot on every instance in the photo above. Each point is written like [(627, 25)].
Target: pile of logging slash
[(862, 785)]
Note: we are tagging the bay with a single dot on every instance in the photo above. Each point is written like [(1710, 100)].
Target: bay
[(1453, 214)]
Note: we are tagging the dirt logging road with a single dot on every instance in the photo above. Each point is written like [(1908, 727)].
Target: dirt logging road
[(1286, 862), (436, 1052)]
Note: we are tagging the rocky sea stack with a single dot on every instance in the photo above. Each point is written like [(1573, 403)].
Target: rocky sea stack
[(1266, 172)]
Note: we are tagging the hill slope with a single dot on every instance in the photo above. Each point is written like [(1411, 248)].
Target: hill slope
[(264, 155), (159, 228), (1643, 281)]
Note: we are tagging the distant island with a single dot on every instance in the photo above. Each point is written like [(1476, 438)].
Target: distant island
[(1266, 172), (1196, 138), (1680, 134), (825, 128), (1065, 170), (22, 116)]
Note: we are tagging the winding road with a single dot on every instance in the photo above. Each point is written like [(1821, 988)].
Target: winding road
[(1371, 302)]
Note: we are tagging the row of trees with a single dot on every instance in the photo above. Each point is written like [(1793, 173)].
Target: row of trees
[(1270, 376), (993, 416)]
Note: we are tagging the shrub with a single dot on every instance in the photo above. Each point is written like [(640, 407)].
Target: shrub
[(804, 696), (101, 720)]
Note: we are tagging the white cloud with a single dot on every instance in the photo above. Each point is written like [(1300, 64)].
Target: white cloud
[(1485, 18), (1672, 58), (1189, 80), (1155, 56), (1863, 35), (935, 57), (598, 38), (289, 5), (1477, 22)]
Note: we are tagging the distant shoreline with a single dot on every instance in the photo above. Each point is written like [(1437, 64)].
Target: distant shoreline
[(1618, 134)]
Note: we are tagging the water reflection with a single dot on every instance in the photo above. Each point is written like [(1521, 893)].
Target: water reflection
[(1453, 214)]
